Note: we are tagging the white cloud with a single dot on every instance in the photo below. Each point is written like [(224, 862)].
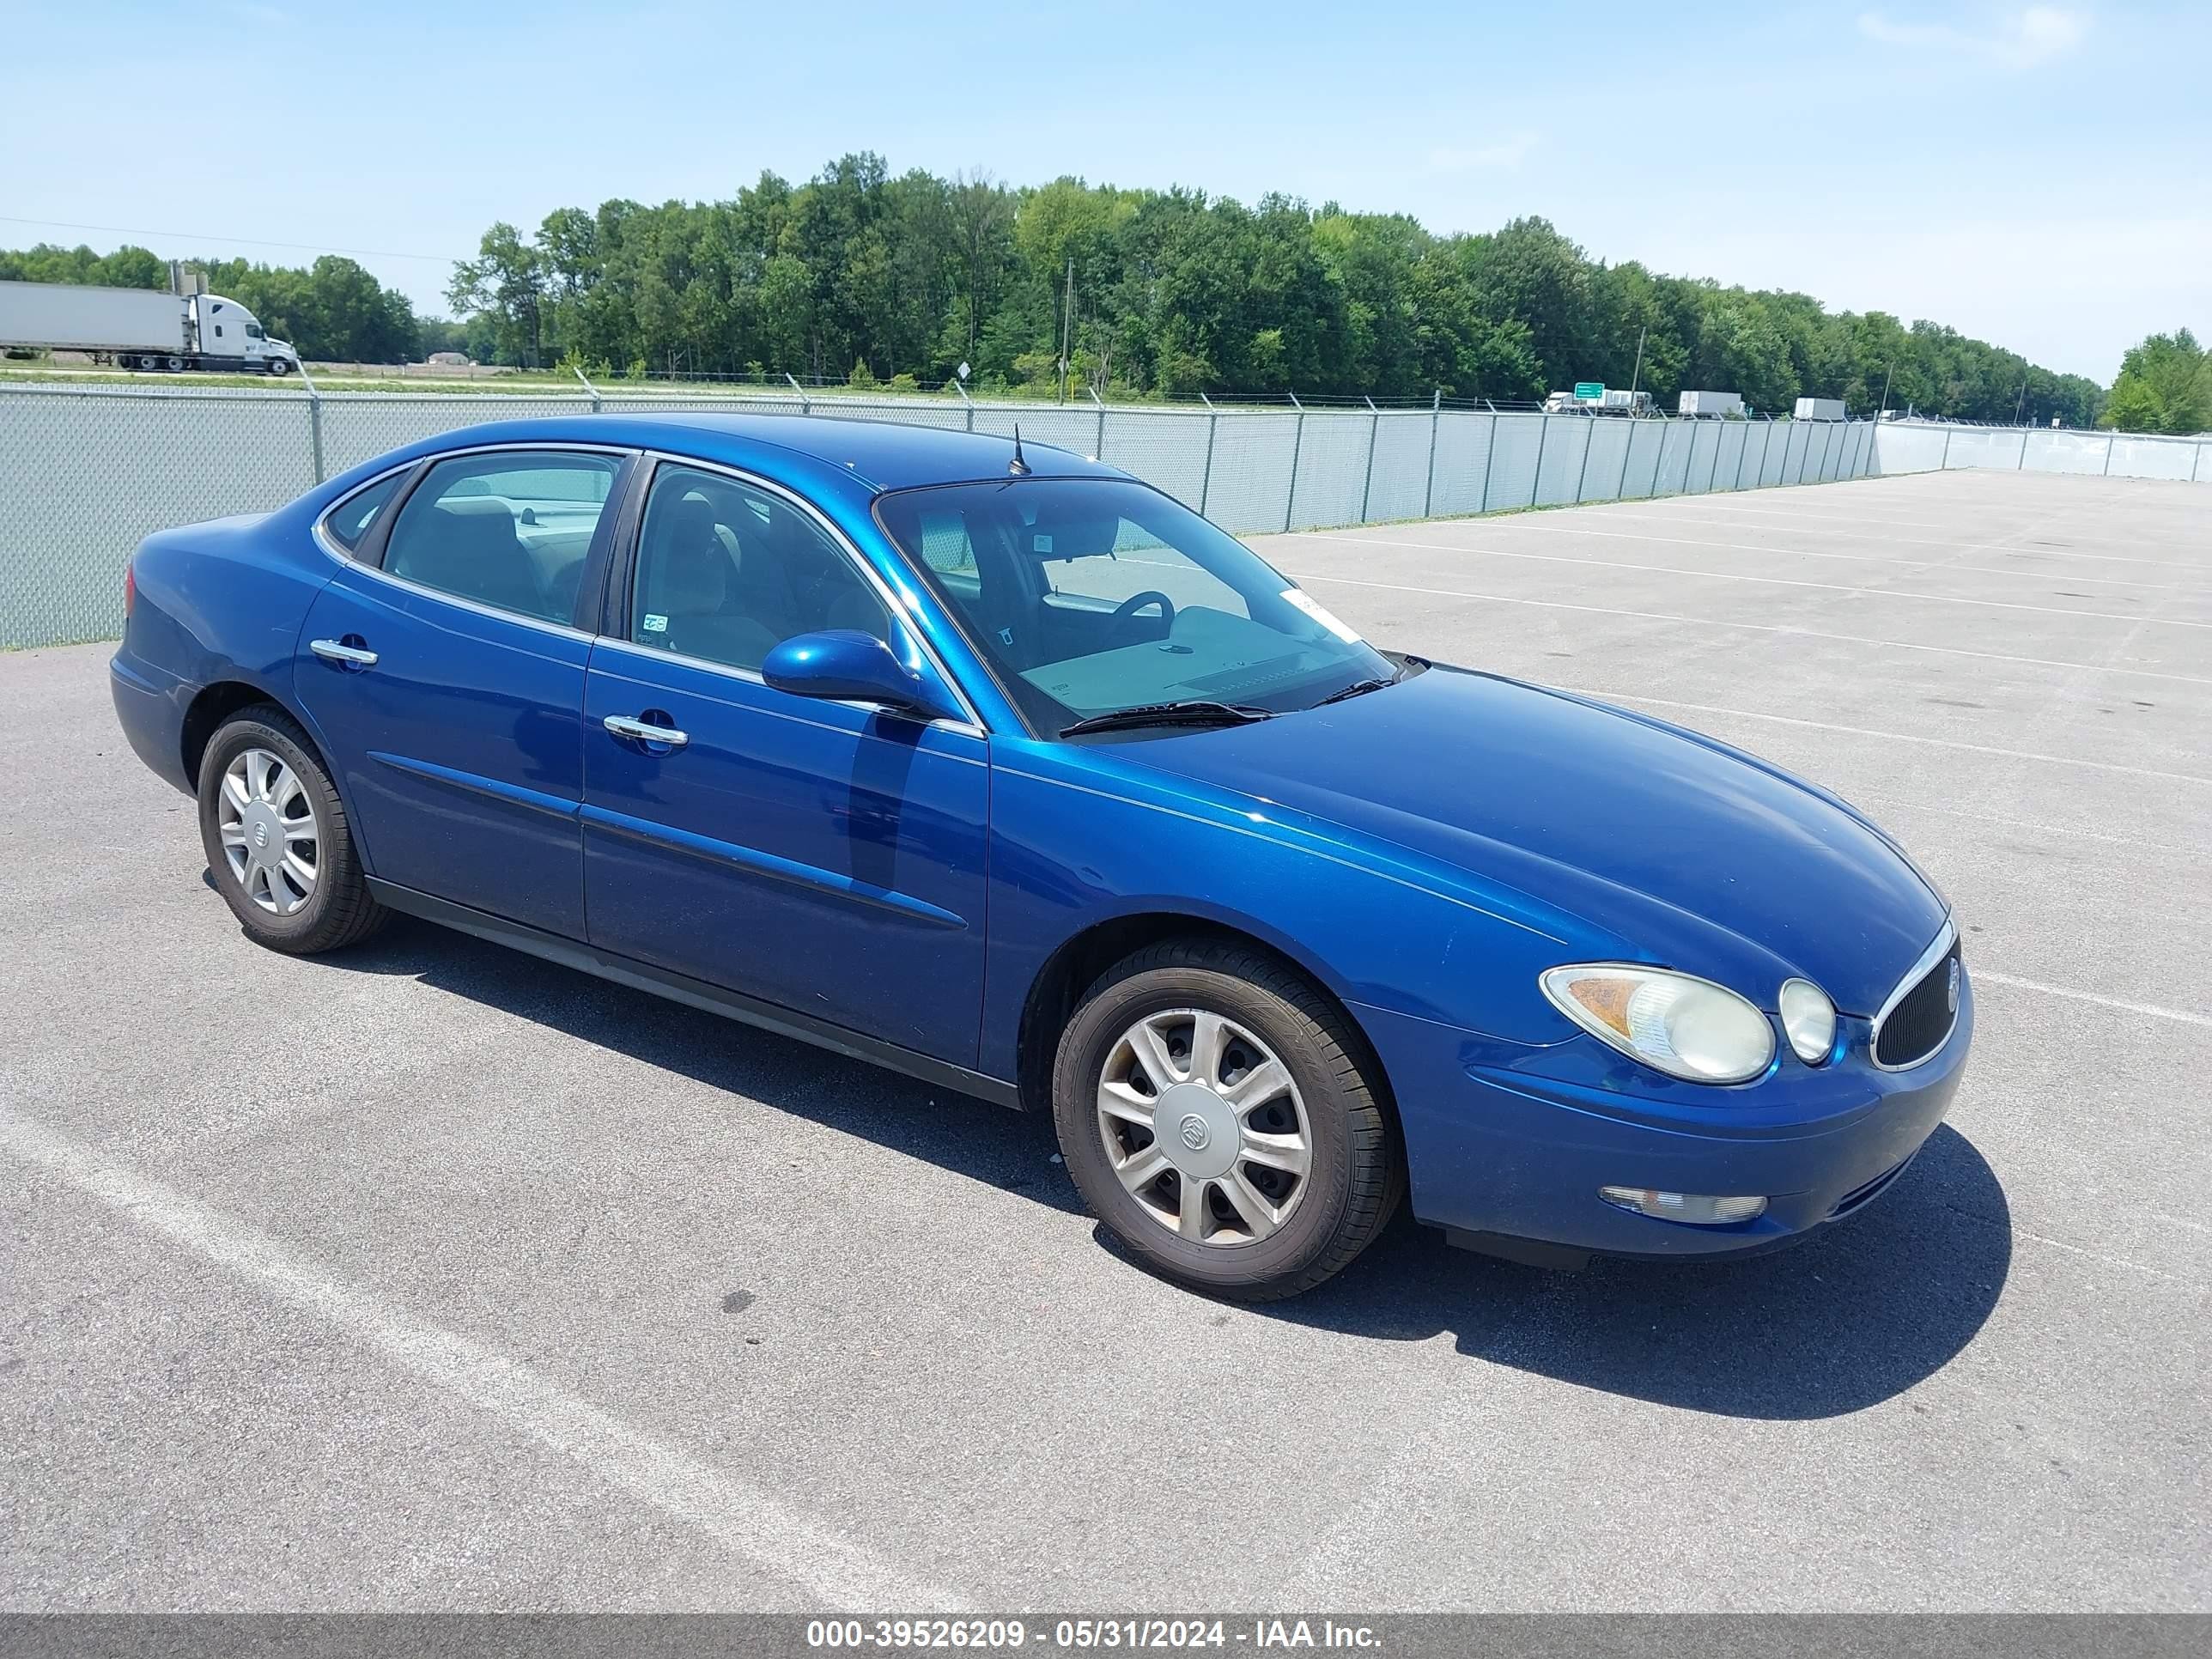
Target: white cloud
[(1505, 153), (2019, 41)]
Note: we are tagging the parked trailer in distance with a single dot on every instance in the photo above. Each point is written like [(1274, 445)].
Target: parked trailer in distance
[(141, 328), (1721, 405), (1819, 409), (1608, 401)]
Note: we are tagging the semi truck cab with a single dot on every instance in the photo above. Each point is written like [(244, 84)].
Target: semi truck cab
[(225, 329)]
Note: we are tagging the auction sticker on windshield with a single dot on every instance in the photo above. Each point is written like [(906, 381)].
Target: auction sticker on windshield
[(1305, 603)]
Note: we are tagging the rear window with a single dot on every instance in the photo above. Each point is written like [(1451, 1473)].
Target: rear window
[(350, 519)]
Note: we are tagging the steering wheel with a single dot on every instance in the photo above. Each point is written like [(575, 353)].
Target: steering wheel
[(1136, 602)]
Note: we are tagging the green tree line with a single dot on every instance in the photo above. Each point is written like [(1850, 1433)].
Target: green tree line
[(863, 274), (2165, 386)]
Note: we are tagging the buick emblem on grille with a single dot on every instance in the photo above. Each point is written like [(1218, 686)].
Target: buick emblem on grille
[(1951, 993)]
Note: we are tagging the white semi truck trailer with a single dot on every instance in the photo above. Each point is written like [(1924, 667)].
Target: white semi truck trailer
[(141, 328), (1710, 406)]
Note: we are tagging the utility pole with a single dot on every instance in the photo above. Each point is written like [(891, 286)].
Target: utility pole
[(1888, 370), (2020, 408), (1636, 379), (1067, 330)]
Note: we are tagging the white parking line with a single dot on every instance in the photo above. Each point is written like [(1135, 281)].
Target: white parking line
[(2038, 826), (1766, 581), (1889, 737), (744, 1519), (1729, 500), (1754, 628), (2019, 1231), (1609, 510), (1556, 526), (2181, 1014)]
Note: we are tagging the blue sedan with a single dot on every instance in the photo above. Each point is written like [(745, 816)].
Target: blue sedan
[(1002, 768)]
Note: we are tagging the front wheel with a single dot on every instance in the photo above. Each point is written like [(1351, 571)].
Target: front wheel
[(277, 839), (279, 367), (1214, 1114)]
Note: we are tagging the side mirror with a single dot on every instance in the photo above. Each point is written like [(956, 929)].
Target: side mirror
[(845, 665)]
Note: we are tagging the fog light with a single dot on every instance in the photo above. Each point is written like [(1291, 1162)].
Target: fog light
[(1694, 1207)]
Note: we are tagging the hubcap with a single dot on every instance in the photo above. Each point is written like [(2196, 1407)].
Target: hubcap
[(1204, 1127), (267, 824)]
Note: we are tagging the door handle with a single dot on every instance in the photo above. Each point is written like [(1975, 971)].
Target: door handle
[(623, 726), (346, 656)]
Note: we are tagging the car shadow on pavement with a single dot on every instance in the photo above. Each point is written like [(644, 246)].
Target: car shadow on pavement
[(1012, 1151), (1856, 1314)]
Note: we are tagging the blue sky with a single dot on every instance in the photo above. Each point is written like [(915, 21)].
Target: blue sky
[(2037, 175)]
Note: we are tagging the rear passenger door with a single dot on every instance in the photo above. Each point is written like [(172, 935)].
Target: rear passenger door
[(443, 668)]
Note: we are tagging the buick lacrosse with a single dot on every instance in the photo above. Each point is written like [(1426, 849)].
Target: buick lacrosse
[(1004, 769)]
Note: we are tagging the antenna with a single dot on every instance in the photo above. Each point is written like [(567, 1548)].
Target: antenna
[(1018, 466)]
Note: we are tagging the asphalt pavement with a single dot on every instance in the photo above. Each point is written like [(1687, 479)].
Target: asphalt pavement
[(431, 1276)]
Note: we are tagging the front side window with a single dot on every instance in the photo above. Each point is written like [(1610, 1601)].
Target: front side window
[(349, 520), (726, 573), (252, 331), (1089, 595), (507, 530)]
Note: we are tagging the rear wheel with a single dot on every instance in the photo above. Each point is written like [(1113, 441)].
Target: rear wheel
[(277, 839), (1214, 1115)]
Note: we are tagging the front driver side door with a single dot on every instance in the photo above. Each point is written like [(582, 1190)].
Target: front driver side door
[(822, 856)]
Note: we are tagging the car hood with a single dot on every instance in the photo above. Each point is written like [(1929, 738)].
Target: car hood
[(1675, 847)]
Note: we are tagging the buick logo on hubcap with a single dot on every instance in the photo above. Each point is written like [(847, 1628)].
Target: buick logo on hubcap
[(261, 834), (1194, 1132)]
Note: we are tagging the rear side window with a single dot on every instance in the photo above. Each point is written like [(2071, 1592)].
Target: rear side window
[(349, 520), (510, 531)]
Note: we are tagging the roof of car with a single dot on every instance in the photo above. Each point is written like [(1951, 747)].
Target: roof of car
[(882, 454)]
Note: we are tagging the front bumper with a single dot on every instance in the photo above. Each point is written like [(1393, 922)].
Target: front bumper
[(1508, 1143)]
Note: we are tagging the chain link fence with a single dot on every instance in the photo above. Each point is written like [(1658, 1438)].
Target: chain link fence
[(86, 471)]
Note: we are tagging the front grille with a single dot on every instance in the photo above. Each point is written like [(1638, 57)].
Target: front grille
[(1923, 1017)]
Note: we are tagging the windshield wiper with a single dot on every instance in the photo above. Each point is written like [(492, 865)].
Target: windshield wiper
[(1196, 712), (1357, 687)]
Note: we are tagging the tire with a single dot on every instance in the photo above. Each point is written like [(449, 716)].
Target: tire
[(278, 368), (247, 828), (1277, 1234)]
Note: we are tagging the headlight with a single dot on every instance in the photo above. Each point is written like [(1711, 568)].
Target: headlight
[(1809, 1020), (1688, 1028)]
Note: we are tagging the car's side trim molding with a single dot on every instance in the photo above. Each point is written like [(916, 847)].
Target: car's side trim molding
[(753, 861), (695, 992), (475, 783), (608, 644)]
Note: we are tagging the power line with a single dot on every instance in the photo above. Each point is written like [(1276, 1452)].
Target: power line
[(246, 241)]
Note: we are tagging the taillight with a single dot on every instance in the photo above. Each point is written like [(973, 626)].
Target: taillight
[(129, 588)]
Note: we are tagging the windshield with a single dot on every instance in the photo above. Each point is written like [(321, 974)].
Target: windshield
[(1088, 596)]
